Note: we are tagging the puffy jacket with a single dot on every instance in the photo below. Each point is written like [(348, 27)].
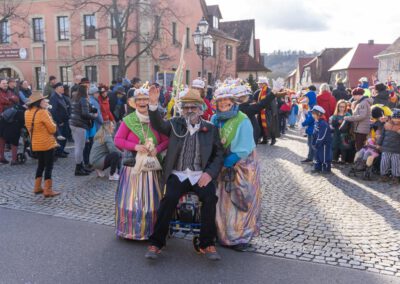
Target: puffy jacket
[(44, 129), (328, 102), (361, 115), (80, 115)]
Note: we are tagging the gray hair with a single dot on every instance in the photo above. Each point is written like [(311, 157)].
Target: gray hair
[(324, 87)]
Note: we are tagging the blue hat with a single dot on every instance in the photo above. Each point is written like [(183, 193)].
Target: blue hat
[(93, 90)]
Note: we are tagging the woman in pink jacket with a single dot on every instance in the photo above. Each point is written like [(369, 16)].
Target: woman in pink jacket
[(139, 193)]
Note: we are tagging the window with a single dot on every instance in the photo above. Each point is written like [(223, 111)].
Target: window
[(90, 26), (38, 77), (63, 28), (114, 24), (229, 52), (114, 71), (188, 37), (157, 21), (174, 41), (156, 70), (215, 22), (214, 49), (199, 74), (4, 32), (38, 29), (187, 77), (66, 75), (91, 73)]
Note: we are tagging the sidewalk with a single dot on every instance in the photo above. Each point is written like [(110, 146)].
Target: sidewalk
[(44, 249)]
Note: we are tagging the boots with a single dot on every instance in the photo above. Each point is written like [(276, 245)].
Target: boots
[(48, 189), (79, 170), (38, 186)]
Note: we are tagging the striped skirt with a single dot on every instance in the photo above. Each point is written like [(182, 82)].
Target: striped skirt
[(136, 201)]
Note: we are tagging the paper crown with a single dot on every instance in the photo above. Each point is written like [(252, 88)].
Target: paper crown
[(198, 83)]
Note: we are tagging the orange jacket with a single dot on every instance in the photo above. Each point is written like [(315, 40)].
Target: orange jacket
[(44, 129)]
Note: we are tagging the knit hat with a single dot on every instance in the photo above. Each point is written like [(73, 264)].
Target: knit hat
[(318, 109), (357, 91), (93, 90), (380, 87), (56, 85), (376, 112), (85, 80)]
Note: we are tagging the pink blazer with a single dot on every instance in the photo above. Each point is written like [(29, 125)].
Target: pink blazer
[(125, 139)]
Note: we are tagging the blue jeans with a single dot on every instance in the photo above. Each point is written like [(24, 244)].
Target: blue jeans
[(311, 154)]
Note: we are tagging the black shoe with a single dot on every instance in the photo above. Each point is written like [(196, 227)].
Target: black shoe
[(273, 142), (240, 247), (306, 161), (264, 142), (65, 152), (79, 171), (61, 155), (315, 171), (88, 168)]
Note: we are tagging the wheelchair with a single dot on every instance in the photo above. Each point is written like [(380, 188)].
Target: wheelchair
[(186, 219)]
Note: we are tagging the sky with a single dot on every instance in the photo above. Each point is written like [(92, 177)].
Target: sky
[(313, 25)]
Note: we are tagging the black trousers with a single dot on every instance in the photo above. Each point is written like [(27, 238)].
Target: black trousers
[(112, 161), (87, 149), (175, 189), (45, 163)]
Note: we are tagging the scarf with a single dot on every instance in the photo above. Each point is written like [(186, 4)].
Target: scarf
[(140, 129), (143, 118), (263, 112), (223, 116)]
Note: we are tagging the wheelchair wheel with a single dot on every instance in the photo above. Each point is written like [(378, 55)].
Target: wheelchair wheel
[(196, 243)]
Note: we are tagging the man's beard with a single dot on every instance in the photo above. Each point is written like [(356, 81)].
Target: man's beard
[(191, 117)]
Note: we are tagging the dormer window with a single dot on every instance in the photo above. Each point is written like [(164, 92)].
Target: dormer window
[(215, 22)]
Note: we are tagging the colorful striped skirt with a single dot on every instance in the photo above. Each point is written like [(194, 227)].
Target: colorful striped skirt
[(239, 203), (136, 201)]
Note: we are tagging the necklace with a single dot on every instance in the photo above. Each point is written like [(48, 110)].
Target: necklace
[(145, 134), (176, 134)]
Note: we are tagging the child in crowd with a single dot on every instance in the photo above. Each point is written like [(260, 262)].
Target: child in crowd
[(389, 144), (294, 112), (341, 141), (284, 111), (322, 142), (308, 123)]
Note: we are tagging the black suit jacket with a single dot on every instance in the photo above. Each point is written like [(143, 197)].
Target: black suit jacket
[(211, 150)]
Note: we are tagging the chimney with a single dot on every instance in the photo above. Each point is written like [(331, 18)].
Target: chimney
[(371, 42)]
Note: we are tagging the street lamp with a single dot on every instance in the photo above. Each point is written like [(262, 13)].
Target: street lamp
[(203, 42)]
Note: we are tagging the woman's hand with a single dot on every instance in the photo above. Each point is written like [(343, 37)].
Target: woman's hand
[(153, 153), (154, 95), (141, 148)]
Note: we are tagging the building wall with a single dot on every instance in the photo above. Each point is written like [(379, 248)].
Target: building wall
[(389, 66), (165, 56), (356, 74)]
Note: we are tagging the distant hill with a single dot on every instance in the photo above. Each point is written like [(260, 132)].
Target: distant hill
[(283, 62)]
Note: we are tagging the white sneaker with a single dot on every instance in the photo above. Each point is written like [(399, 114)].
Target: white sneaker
[(114, 177), (100, 173)]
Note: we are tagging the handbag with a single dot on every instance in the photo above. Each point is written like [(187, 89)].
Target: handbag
[(9, 114), (146, 163), (33, 154)]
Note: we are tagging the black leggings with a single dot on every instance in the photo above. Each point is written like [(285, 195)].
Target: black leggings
[(45, 163), (112, 161)]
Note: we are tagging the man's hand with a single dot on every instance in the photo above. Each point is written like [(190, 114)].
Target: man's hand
[(204, 180), (154, 94)]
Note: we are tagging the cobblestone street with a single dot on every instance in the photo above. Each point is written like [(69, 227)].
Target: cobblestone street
[(334, 220)]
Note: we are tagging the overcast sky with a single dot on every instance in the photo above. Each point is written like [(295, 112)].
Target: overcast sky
[(312, 25)]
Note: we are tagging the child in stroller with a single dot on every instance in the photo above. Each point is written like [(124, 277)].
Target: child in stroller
[(364, 160)]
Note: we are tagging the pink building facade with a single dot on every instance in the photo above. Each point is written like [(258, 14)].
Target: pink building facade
[(62, 37)]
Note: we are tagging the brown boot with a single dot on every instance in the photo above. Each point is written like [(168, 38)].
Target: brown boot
[(38, 186), (48, 189)]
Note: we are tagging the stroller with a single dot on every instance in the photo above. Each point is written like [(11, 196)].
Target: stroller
[(366, 167), (187, 218)]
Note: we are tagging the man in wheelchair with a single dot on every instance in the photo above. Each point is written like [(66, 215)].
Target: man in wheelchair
[(193, 162)]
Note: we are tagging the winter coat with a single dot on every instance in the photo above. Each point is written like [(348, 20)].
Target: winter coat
[(105, 109), (309, 123), (382, 98), (99, 119), (361, 115), (211, 150), (59, 109), (390, 138), (44, 129), (48, 90), (80, 115), (340, 93), (328, 102), (293, 114)]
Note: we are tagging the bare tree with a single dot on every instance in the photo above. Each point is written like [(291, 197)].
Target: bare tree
[(121, 18), (220, 65), (13, 10)]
